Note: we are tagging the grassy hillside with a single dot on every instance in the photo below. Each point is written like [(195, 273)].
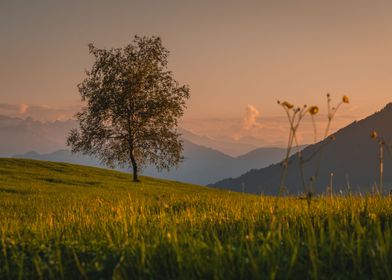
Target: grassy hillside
[(67, 221)]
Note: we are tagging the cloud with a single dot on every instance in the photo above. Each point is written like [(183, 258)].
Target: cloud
[(251, 116), (7, 107), (262, 130), (250, 125), (39, 112), (23, 108)]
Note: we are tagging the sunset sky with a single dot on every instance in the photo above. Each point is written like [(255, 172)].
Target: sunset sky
[(238, 57)]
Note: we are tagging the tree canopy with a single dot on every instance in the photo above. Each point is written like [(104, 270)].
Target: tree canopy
[(133, 104)]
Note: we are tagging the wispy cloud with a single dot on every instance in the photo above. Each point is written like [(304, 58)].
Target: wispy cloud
[(262, 130), (250, 119), (250, 124), (23, 108), (253, 128), (38, 112)]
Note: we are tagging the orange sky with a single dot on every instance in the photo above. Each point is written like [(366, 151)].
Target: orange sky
[(231, 53)]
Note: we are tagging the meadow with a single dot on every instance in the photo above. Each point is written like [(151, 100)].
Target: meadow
[(62, 221)]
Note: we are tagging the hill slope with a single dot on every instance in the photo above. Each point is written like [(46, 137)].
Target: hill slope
[(63, 221), (22, 176), (352, 158)]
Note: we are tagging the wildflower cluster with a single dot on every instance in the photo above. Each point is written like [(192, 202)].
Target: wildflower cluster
[(295, 116)]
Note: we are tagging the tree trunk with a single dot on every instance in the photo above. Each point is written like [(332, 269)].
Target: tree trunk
[(134, 168)]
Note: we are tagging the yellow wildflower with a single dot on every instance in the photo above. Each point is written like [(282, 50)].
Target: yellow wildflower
[(287, 105), (313, 110)]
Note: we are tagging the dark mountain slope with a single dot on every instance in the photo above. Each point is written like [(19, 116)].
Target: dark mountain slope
[(352, 157)]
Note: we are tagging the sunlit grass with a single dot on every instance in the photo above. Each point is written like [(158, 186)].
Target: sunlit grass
[(67, 221)]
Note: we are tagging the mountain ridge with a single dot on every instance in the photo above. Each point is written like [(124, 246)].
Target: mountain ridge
[(352, 158), (25, 135), (202, 165)]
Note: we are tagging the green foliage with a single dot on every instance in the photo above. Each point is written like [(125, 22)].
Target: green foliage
[(64, 221)]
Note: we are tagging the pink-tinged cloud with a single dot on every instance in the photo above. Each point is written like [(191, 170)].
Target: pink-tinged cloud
[(23, 108), (265, 131), (251, 116), (39, 112)]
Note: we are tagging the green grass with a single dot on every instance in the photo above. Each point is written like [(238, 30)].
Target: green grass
[(64, 221)]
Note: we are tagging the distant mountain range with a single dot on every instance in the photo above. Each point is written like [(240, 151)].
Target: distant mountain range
[(62, 156), (227, 146), (201, 165), (25, 135), (205, 165), (26, 138), (352, 158)]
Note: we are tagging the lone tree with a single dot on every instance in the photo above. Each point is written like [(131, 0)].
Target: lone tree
[(133, 107)]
